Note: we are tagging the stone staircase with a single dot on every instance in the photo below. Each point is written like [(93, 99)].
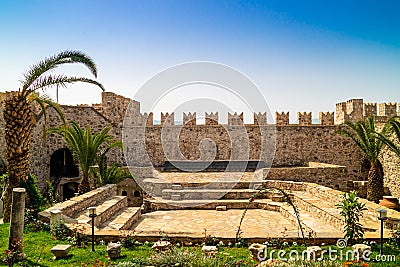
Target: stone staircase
[(316, 204), (112, 210)]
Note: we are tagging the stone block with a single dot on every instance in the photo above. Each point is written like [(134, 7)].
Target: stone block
[(257, 251), (209, 250), (56, 216), (278, 198), (114, 250), (176, 197), (60, 251), (220, 208), (161, 245), (176, 187)]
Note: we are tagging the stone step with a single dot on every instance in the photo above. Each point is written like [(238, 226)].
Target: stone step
[(104, 210), (323, 209), (163, 204), (311, 225), (122, 220), (319, 208), (156, 186), (208, 194), (81, 203)]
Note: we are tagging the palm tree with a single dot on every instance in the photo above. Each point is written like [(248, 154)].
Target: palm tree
[(86, 148), (19, 117), (363, 133), (105, 174), (393, 145)]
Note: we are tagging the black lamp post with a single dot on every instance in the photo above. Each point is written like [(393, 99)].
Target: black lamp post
[(382, 216), (92, 214)]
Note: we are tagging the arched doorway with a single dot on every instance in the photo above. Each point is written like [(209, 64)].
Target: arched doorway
[(69, 190), (62, 164)]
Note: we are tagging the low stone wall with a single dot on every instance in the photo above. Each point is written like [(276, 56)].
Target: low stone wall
[(334, 196), (321, 173), (82, 202)]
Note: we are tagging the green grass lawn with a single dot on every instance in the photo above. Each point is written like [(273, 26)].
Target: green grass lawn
[(37, 247)]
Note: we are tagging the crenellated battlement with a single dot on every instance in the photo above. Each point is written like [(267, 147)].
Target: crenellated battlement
[(355, 110), (212, 118), (260, 118), (388, 109), (282, 118), (114, 107), (167, 119), (235, 119), (189, 119), (370, 109), (304, 118), (326, 118)]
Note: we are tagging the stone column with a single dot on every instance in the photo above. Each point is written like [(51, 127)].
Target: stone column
[(1, 208), (17, 219)]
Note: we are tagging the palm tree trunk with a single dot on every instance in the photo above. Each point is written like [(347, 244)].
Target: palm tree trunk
[(375, 182), (19, 120), (84, 185)]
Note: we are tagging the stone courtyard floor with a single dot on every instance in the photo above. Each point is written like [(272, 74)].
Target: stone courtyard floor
[(205, 177), (224, 224)]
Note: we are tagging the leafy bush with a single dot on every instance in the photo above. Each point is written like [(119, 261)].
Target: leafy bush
[(190, 257), (3, 179), (129, 242), (3, 167), (50, 197), (60, 231), (77, 236), (352, 210), (32, 223), (35, 198)]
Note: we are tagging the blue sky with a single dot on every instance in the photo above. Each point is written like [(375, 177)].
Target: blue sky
[(303, 55)]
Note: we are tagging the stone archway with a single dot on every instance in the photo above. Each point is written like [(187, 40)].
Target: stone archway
[(62, 164)]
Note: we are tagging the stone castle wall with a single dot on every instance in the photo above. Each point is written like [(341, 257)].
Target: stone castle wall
[(296, 144)]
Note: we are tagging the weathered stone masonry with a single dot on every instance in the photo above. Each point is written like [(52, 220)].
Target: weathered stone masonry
[(295, 144)]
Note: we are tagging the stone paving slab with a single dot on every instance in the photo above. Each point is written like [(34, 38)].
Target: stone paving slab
[(205, 177), (195, 223)]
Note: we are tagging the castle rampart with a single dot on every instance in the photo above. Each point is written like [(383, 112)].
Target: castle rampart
[(296, 144), (304, 118)]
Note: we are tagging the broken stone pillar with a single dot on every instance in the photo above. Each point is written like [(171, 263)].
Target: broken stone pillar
[(17, 220), (1, 208), (56, 217)]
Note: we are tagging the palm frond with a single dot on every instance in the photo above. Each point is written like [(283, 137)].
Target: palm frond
[(394, 125), (61, 80), (365, 136), (50, 63), (88, 148), (45, 102)]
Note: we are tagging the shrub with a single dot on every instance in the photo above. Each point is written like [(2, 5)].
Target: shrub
[(352, 210), (35, 198), (60, 231), (78, 237), (129, 242), (32, 223)]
